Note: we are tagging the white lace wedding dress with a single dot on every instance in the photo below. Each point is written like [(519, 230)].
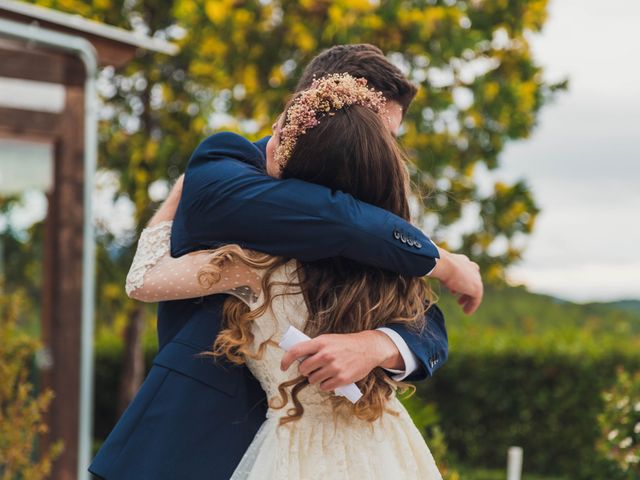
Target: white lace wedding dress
[(319, 445)]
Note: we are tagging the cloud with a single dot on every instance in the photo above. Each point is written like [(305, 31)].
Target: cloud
[(582, 161), (590, 281)]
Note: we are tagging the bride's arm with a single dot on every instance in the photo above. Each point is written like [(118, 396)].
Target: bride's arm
[(156, 276)]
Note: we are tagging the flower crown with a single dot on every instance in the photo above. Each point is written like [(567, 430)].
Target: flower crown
[(324, 96)]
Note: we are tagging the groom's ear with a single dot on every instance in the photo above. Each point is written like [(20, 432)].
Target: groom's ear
[(366, 61)]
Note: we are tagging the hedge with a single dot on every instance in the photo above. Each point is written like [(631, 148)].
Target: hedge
[(547, 403), (108, 368)]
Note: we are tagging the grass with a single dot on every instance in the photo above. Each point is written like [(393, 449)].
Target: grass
[(467, 473)]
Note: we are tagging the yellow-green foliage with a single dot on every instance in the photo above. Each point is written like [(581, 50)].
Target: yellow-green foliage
[(21, 410), (480, 88)]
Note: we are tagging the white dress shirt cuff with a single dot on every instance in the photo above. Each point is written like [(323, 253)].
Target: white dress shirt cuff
[(410, 360)]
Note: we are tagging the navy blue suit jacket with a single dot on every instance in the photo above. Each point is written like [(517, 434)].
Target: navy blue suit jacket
[(193, 418)]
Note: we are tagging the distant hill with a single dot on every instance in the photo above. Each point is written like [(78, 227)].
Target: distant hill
[(627, 305), (511, 314)]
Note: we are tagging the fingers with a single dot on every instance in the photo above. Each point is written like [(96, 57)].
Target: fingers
[(303, 349), (471, 306), (328, 385), (475, 304), (318, 363), (328, 376), (469, 303), (314, 362), (320, 375), (334, 382)]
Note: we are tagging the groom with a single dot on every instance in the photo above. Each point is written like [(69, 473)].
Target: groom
[(193, 419)]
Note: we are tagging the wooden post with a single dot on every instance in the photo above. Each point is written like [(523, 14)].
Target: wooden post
[(67, 310)]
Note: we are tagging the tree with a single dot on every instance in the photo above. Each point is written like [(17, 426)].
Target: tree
[(480, 88)]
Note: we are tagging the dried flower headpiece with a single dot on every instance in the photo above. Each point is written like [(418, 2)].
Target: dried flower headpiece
[(324, 96)]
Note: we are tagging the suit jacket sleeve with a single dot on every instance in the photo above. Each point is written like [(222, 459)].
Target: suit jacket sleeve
[(227, 198), (431, 346)]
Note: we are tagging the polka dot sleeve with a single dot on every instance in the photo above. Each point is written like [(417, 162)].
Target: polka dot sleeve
[(155, 276)]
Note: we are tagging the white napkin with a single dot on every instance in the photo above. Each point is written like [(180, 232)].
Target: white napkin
[(292, 337)]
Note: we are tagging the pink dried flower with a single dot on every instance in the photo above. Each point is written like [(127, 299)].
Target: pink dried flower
[(324, 96)]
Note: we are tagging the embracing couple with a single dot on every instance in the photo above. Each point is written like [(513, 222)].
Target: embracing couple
[(308, 228)]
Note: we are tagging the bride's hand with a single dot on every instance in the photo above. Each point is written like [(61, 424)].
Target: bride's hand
[(167, 210)]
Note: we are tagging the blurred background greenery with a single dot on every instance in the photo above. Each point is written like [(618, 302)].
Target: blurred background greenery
[(527, 369)]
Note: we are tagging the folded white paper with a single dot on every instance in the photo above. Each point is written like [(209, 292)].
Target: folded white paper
[(292, 337)]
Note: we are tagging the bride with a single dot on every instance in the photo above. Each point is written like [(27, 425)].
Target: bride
[(332, 134)]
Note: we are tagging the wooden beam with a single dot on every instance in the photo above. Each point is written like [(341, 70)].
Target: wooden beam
[(32, 64), (110, 52), (27, 136), (18, 122)]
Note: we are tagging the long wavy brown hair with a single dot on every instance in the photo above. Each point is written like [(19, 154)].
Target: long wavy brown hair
[(351, 151)]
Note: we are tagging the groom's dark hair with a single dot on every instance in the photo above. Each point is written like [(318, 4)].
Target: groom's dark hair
[(362, 60)]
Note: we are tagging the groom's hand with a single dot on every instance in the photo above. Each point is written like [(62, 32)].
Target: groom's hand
[(462, 277), (335, 360)]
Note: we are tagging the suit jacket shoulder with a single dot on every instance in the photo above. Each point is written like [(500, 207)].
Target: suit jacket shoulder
[(228, 145)]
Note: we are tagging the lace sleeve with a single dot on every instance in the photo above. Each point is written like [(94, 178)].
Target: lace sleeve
[(156, 276), (152, 246)]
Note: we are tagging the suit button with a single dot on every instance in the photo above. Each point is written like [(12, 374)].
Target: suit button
[(410, 242), (418, 244), (396, 234), (403, 239)]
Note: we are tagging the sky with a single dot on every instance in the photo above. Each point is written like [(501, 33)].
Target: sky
[(583, 160)]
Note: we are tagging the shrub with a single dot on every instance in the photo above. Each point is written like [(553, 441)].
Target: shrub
[(620, 424), (21, 410), (109, 351)]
